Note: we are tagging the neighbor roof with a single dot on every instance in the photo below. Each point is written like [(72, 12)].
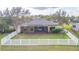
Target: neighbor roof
[(40, 22), (76, 20)]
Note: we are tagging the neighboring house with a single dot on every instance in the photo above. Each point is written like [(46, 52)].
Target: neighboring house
[(75, 24), (38, 25)]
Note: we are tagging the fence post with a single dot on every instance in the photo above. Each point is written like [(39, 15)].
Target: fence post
[(68, 41), (76, 41), (20, 42), (58, 42), (47, 41), (29, 41), (39, 41), (11, 42)]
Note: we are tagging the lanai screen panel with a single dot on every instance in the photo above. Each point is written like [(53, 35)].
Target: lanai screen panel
[(41, 29)]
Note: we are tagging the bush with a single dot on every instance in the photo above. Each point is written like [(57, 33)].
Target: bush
[(9, 30), (67, 26), (56, 30), (1, 28)]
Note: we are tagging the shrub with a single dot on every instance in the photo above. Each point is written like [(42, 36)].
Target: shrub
[(8, 30), (67, 26), (57, 30), (1, 28)]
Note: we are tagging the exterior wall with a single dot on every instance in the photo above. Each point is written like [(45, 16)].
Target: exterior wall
[(48, 28), (75, 26), (27, 29), (31, 29)]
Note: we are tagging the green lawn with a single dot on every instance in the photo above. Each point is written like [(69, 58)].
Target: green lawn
[(41, 36), (77, 33), (41, 48), (2, 35)]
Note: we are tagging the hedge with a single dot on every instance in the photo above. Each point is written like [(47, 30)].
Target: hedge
[(56, 30)]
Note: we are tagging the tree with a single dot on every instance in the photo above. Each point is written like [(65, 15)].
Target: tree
[(61, 16), (18, 12), (1, 14), (12, 17), (6, 12), (3, 25)]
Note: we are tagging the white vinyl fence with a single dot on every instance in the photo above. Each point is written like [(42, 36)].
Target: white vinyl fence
[(72, 37), (9, 41), (40, 42), (8, 37)]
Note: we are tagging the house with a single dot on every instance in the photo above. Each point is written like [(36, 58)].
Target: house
[(75, 24), (38, 25)]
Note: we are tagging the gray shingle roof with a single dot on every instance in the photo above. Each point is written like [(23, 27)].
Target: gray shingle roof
[(40, 22), (76, 20)]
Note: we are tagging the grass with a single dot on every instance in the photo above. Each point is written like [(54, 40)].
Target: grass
[(77, 33), (41, 36), (41, 48), (1, 36)]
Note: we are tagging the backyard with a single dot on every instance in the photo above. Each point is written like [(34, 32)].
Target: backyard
[(77, 33), (39, 47), (2, 35), (41, 36)]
